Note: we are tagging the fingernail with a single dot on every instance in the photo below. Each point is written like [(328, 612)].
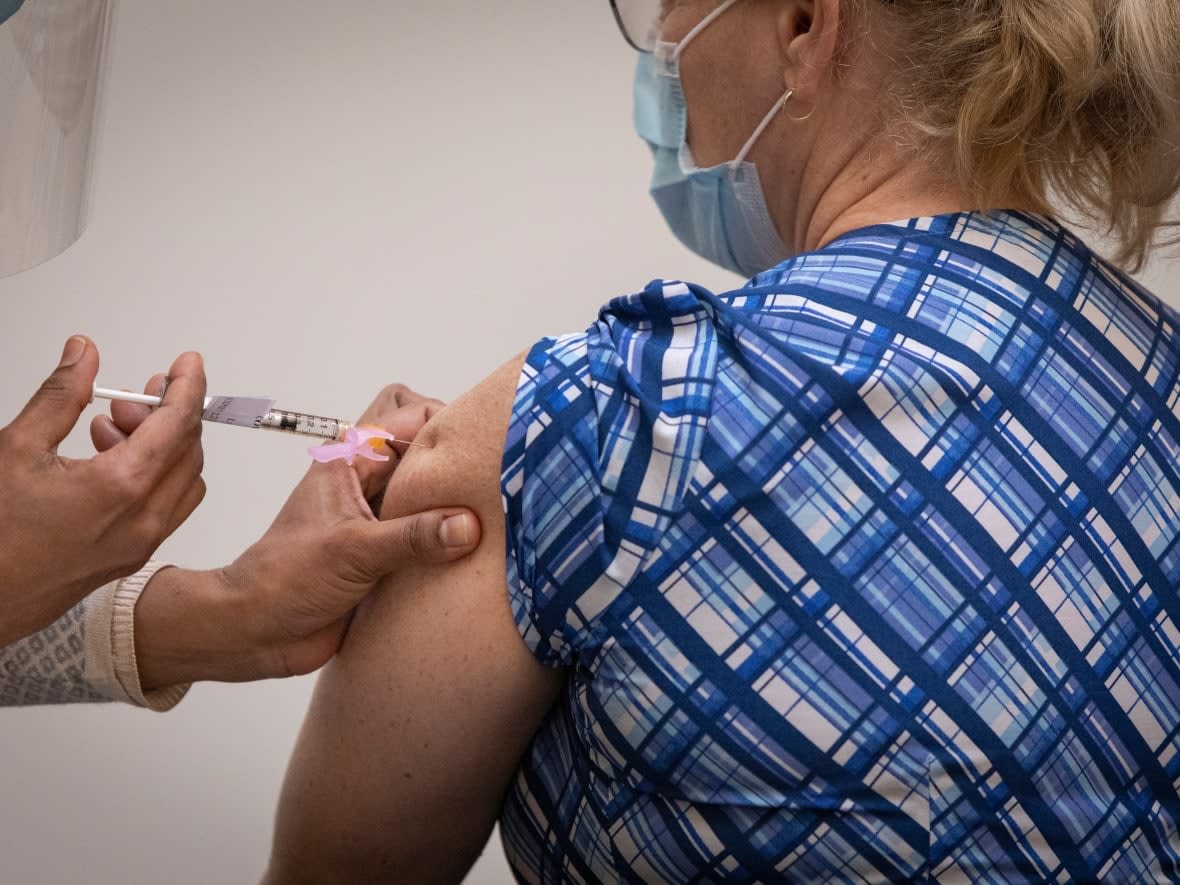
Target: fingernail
[(74, 349), (454, 531)]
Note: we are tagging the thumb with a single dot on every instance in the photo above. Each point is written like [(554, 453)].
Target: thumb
[(435, 536), (55, 407)]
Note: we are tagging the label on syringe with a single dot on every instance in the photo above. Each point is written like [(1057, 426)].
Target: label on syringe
[(241, 411)]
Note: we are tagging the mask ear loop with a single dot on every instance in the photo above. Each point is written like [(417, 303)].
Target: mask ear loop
[(700, 26), (775, 109)]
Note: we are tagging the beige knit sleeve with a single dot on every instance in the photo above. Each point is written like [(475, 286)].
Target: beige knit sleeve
[(88, 655), (111, 668)]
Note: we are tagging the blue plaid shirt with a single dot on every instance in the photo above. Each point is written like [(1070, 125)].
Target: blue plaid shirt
[(868, 571)]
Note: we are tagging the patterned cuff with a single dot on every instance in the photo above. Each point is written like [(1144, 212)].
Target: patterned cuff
[(111, 668)]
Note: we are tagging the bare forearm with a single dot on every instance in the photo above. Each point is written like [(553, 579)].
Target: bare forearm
[(418, 725), (184, 631)]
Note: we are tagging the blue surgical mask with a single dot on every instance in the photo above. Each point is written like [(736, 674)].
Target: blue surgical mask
[(720, 212)]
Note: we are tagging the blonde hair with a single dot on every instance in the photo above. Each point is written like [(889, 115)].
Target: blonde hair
[(1055, 102)]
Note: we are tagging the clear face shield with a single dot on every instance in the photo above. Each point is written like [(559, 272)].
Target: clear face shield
[(51, 60)]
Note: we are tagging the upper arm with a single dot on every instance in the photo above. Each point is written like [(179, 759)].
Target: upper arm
[(418, 725)]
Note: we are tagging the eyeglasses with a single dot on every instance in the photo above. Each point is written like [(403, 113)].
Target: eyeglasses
[(639, 21)]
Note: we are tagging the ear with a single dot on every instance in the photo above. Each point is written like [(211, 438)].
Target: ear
[(808, 33)]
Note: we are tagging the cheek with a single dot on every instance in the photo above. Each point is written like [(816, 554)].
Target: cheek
[(707, 120), (728, 94), (678, 17), (722, 112)]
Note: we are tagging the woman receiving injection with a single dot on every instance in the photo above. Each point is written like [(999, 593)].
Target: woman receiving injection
[(84, 614)]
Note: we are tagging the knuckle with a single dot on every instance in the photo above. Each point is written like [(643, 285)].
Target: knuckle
[(390, 399), (123, 485), (197, 495), (54, 388), (385, 403), (414, 537), (198, 461), (396, 392), (186, 431), (193, 424), (155, 384), (128, 487)]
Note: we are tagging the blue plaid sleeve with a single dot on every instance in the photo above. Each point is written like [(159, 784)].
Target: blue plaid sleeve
[(867, 572), (550, 488), (606, 429)]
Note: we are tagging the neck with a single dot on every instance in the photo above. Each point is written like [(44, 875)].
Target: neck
[(871, 182)]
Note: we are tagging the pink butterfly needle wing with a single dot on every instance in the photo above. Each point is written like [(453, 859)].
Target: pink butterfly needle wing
[(358, 442)]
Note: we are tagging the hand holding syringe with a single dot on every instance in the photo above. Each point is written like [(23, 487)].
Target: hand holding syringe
[(259, 413)]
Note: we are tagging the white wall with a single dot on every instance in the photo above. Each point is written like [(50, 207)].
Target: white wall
[(323, 197)]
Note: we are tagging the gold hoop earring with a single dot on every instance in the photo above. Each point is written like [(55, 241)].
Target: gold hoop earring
[(787, 100)]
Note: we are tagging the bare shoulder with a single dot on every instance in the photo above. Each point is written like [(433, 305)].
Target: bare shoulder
[(458, 459)]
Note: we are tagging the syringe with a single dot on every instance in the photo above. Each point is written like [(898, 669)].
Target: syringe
[(273, 419), (304, 424)]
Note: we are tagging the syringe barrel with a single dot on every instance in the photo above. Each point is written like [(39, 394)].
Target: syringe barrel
[(305, 425)]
